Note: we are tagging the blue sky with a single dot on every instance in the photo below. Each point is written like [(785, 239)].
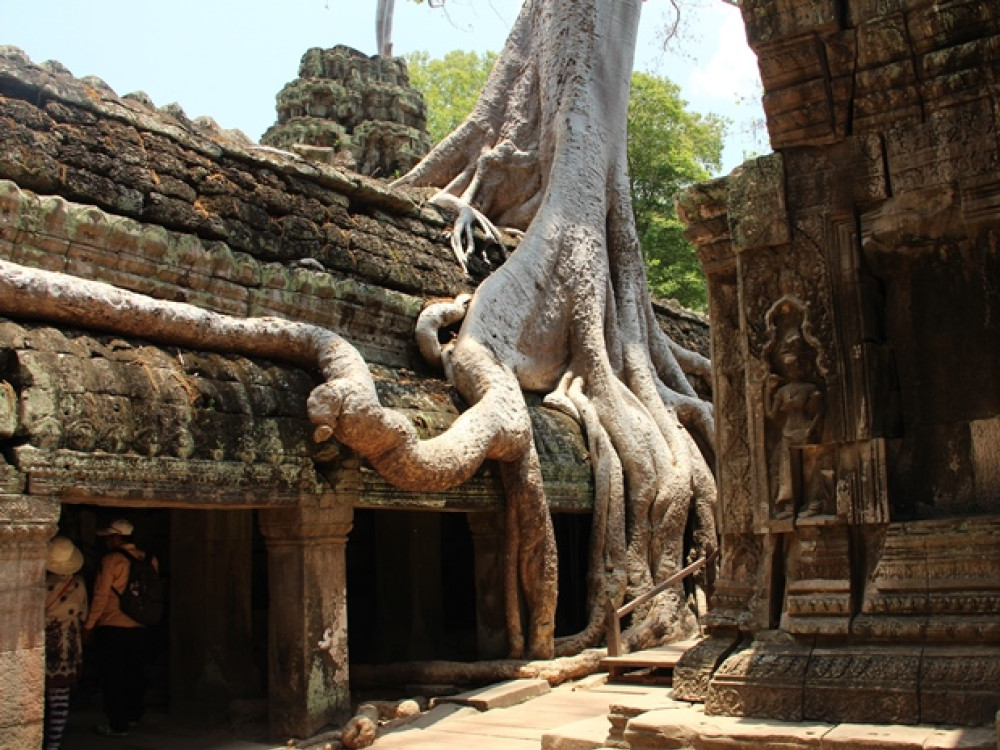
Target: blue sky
[(227, 59)]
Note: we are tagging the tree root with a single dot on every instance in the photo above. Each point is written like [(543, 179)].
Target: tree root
[(433, 318), (460, 674)]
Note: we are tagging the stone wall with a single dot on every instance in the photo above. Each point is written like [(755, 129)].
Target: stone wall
[(852, 290)]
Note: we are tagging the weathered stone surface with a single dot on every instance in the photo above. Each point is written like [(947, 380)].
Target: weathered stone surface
[(876, 737), (852, 273), (691, 728), (758, 215), (22, 678), (122, 419), (863, 685), (502, 695), (269, 204), (696, 666), (360, 108), (934, 580), (765, 680), (584, 734)]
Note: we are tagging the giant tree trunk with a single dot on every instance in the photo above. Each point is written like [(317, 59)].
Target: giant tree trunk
[(545, 151), (384, 12)]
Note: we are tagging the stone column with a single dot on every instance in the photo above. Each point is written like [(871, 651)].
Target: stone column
[(308, 675), (26, 525), (487, 539), (211, 648)]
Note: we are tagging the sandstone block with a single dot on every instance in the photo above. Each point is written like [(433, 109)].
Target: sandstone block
[(503, 695)]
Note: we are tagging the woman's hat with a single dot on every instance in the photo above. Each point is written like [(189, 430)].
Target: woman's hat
[(119, 526), (64, 558)]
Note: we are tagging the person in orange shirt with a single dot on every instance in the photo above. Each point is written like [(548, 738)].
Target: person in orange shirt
[(120, 640)]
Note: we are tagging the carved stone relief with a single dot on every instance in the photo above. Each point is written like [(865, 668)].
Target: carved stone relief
[(867, 270), (764, 679), (869, 685), (734, 476), (794, 407)]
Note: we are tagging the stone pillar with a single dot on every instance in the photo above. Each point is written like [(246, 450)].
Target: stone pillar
[(26, 525), (308, 670), (491, 629), (211, 648)]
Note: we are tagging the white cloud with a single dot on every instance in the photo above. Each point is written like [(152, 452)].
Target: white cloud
[(731, 72)]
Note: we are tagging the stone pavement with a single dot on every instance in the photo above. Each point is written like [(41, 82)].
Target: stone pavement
[(568, 717), (527, 715)]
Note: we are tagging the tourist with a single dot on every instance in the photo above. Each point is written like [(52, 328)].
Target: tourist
[(120, 640), (65, 610)]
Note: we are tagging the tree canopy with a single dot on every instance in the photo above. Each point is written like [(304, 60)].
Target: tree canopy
[(669, 148), (450, 86)]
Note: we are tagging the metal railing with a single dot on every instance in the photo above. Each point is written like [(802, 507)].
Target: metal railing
[(616, 614)]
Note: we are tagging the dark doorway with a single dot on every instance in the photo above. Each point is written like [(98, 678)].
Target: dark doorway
[(410, 587)]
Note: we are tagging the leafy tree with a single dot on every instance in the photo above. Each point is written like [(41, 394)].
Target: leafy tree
[(669, 148), (450, 86)]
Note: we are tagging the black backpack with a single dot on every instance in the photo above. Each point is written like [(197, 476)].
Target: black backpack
[(142, 599)]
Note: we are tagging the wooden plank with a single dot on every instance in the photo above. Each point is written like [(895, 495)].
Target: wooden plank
[(650, 665)]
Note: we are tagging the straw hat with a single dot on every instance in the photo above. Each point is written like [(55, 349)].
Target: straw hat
[(64, 558), (119, 526)]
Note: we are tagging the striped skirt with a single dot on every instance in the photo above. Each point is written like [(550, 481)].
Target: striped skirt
[(56, 713)]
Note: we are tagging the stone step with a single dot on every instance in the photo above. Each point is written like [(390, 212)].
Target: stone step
[(501, 695), (691, 728), (585, 734)]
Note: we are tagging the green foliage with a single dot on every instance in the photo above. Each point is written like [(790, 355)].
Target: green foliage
[(669, 148), (450, 86)]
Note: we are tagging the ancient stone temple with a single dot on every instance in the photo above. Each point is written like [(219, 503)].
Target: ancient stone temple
[(353, 110), (263, 537), (853, 283)]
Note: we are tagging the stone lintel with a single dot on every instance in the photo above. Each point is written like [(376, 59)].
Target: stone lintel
[(108, 479)]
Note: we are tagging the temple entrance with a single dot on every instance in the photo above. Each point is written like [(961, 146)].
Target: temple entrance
[(206, 661), (410, 587), (426, 586)]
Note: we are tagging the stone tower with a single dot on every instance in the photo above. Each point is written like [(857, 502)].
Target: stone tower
[(353, 110)]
